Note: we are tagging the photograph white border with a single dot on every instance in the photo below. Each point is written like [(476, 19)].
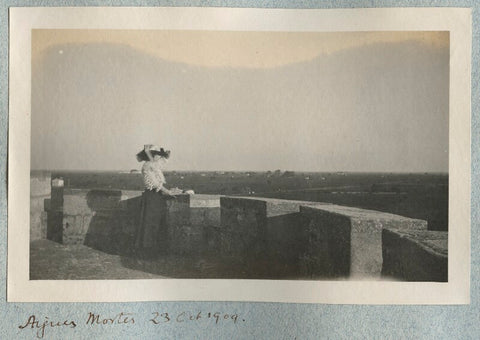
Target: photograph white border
[(455, 20)]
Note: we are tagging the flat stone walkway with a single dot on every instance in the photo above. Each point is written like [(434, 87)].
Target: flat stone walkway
[(53, 261)]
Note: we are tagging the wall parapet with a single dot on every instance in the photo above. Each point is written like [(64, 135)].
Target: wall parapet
[(40, 194), (415, 255), (270, 238), (347, 242), (106, 220), (319, 240)]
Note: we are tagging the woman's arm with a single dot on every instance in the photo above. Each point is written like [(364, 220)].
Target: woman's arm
[(147, 151), (164, 190)]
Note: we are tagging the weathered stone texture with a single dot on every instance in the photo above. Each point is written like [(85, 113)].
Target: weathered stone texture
[(267, 234), (38, 225), (307, 238), (327, 252), (40, 192), (264, 238), (53, 261), (413, 255), (107, 219), (346, 242), (243, 227)]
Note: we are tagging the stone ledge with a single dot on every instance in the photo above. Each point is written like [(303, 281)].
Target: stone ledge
[(204, 201), (434, 242), (415, 255), (273, 206), (345, 241), (358, 214)]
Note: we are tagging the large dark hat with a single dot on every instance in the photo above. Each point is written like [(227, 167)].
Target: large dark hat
[(154, 150)]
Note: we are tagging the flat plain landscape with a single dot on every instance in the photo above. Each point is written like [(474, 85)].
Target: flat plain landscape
[(416, 195)]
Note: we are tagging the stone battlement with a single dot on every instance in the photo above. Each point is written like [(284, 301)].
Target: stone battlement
[(265, 237)]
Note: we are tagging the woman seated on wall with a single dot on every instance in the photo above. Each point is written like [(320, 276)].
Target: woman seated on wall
[(151, 237)]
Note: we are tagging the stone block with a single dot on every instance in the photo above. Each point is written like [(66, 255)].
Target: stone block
[(75, 202), (236, 246), (415, 255), (212, 217), (38, 222), (211, 240), (205, 216), (40, 183), (263, 227), (178, 210), (56, 201), (347, 242), (37, 203), (103, 199), (204, 201), (47, 204), (187, 219), (244, 221), (187, 240), (55, 226), (101, 219), (286, 238), (40, 192), (35, 226), (74, 229), (198, 216), (38, 225)]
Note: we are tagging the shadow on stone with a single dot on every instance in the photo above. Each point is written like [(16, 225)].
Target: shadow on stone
[(112, 225), (55, 215)]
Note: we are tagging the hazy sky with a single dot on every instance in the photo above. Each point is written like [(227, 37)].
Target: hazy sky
[(365, 101)]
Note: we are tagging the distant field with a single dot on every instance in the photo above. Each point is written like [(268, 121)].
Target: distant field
[(416, 195)]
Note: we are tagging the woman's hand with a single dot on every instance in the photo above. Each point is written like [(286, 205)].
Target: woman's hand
[(165, 191)]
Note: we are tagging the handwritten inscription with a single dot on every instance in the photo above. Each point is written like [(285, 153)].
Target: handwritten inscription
[(41, 325), (119, 319), (159, 318)]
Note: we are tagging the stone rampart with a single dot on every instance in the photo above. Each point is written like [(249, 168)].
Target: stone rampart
[(316, 240), (267, 238), (415, 255), (106, 220), (40, 193), (197, 230), (264, 233), (347, 242), (101, 219)]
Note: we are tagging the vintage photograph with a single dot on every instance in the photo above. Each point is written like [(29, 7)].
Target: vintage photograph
[(227, 154), (216, 154)]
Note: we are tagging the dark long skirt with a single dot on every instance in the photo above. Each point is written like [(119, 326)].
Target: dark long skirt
[(151, 234)]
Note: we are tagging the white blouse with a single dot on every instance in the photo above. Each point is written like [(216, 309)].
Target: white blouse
[(152, 175)]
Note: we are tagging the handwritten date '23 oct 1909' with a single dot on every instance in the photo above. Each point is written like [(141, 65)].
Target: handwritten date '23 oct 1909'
[(40, 325)]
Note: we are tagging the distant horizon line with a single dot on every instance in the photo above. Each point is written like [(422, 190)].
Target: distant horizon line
[(282, 170)]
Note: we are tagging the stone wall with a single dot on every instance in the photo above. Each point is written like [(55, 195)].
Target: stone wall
[(415, 255), (196, 233), (266, 234), (258, 237), (427, 202), (40, 193), (242, 227), (283, 239), (347, 242), (106, 220), (101, 219)]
